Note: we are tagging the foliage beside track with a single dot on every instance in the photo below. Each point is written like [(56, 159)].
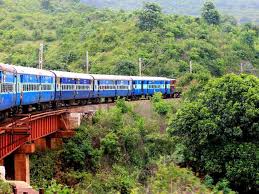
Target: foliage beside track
[(119, 151), (219, 131)]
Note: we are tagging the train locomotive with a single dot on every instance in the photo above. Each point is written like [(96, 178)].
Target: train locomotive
[(24, 89)]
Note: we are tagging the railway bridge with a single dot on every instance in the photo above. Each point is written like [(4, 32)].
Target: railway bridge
[(23, 135)]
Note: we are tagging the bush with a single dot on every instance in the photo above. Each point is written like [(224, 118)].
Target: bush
[(54, 187), (160, 106), (79, 153), (43, 167), (111, 146), (5, 187), (220, 131), (171, 179)]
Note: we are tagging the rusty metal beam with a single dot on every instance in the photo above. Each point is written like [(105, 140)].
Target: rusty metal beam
[(28, 128)]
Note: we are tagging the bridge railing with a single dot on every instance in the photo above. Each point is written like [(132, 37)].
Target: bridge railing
[(27, 128)]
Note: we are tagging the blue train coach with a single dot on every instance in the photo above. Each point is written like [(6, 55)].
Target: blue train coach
[(73, 86), (8, 81), (34, 86), (147, 86), (111, 86)]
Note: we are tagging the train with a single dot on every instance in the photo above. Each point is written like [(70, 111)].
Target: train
[(24, 89)]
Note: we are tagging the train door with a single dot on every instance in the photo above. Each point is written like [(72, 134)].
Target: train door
[(16, 89), (39, 86), (115, 87), (57, 89), (142, 87), (21, 88), (74, 82), (91, 93), (130, 88), (96, 88), (78, 91)]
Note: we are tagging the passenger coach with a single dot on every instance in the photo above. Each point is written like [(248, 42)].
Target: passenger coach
[(8, 97), (34, 86), (147, 86), (111, 86), (72, 86)]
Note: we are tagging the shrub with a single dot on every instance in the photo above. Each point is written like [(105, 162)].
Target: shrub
[(160, 106), (5, 187), (220, 131)]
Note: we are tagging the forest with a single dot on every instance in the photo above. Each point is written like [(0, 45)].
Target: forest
[(205, 142), (114, 38)]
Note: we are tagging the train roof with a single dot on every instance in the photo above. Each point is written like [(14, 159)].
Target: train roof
[(6, 67), (72, 75), (32, 71), (149, 78), (111, 77)]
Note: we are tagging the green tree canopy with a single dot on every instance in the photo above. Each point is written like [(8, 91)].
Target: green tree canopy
[(150, 17), (248, 38), (45, 4), (210, 13), (126, 68), (220, 130)]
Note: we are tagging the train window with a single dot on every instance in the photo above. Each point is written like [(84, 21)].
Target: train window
[(7, 87)]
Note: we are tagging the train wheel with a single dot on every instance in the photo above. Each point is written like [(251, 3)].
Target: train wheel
[(4, 115), (113, 100)]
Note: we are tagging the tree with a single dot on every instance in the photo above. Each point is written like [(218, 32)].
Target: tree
[(220, 130), (45, 4), (126, 68), (210, 13), (248, 38), (159, 105), (150, 17)]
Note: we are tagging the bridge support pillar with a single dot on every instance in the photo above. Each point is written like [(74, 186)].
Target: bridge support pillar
[(56, 143), (56, 139), (42, 144), (22, 167), (22, 163)]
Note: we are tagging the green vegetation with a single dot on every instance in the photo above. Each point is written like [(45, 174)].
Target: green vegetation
[(166, 43), (220, 131), (213, 129), (210, 14), (119, 152), (5, 187), (150, 18)]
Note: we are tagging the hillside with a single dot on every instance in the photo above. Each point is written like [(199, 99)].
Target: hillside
[(243, 10), (212, 130), (114, 38)]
